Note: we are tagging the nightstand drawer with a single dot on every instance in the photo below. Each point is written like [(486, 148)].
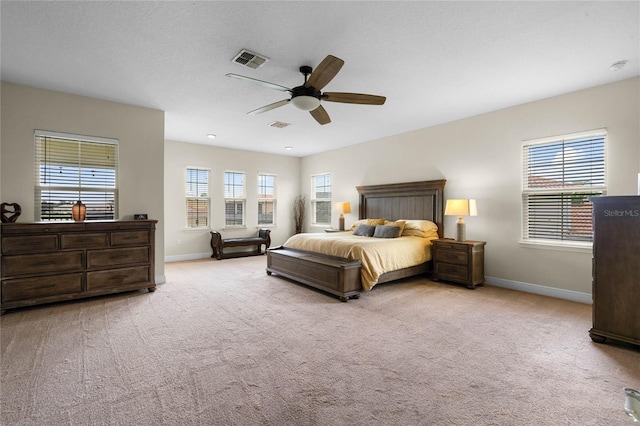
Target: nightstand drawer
[(460, 257), (448, 271), (444, 245)]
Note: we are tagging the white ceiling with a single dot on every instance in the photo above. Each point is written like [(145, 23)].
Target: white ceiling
[(435, 61)]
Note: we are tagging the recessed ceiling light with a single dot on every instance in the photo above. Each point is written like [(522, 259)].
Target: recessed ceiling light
[(211, 136), (288, 148), (616, 66)]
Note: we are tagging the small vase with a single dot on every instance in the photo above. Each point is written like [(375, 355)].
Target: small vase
[(79, 211)]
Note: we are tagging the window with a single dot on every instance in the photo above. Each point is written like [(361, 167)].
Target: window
[(560, 174), (197, 191), (71, 168), (266, 199), (321, 198), (234, 198)]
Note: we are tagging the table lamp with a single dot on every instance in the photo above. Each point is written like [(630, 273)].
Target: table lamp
[(461, 208), (346, 209)]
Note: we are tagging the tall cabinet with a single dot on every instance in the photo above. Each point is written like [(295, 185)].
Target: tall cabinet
[(616, 269)]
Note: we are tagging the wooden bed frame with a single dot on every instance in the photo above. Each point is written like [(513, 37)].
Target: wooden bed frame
[(341, 276)]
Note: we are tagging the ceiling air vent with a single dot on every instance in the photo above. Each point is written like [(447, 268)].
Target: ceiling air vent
[(279, 124), (250, 59)]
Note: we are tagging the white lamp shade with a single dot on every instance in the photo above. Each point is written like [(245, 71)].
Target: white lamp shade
[(306, 103), (465, 207)]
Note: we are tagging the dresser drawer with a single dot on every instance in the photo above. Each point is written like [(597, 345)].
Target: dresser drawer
[(40, 228), (78, 241), (29, 244), (117, 277), (452, 272), (115, 257), (130, 238), (460, 257), (37, 288), (31, 264)]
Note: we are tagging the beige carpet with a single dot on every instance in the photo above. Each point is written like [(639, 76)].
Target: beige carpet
[(222, 343)]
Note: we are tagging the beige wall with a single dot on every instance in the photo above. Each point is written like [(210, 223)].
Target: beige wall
[(139, 130), (184, 244), (481, 158)]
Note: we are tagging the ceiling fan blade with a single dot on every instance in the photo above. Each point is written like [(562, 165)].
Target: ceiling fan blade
[(320, 115), (269, 107), (353, 98), (260, 82), (324, 72)]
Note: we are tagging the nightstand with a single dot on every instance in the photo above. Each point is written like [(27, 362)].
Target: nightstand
[(459, 261)]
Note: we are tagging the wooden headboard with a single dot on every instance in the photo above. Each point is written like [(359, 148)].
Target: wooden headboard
[(412, 200)]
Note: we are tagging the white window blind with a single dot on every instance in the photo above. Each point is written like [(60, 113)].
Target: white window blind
[(321, 198), (560, 175), (71, 168), (198, 202), (234, 194), (266, 199)]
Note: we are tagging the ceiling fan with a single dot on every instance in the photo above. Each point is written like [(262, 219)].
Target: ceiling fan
[(307, 97)]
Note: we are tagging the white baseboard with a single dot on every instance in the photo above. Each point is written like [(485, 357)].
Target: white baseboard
[(182, 257), (161, 279), (574, 296)]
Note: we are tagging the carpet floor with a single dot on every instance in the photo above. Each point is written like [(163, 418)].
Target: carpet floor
[(223, 343)]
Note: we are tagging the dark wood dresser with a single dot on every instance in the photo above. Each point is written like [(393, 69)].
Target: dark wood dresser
[(616, 269), (459, 261), (48, 262)]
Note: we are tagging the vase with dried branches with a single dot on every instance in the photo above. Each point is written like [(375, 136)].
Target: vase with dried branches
[(299, 211)]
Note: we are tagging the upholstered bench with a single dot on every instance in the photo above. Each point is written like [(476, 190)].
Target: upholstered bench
[(218, 244)]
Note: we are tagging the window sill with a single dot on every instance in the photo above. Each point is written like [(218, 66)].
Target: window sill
[(554, 245), (202, 228)]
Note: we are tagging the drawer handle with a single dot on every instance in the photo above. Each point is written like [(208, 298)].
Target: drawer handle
[(129, 238), (118, 256), (45, 263), (117, 278)]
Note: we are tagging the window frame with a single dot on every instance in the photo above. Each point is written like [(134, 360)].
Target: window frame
[(315, 200), (236, 200), (263, 199), (198, 199), (99, 207), (566, 228)]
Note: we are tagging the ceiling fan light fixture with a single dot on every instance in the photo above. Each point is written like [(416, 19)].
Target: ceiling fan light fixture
[(305, 102)]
